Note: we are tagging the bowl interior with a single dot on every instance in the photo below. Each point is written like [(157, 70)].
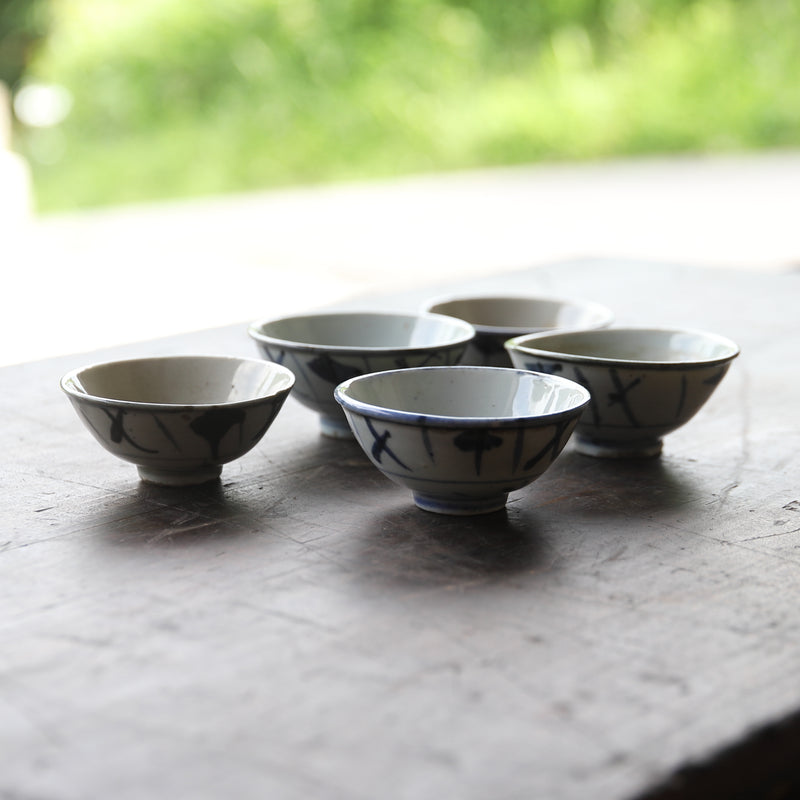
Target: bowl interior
[(522, 313), (464, 392), (180, 380), (366, 330), (633, 345)]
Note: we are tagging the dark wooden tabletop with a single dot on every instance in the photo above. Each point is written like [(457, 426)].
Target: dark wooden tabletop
[(302, 630)]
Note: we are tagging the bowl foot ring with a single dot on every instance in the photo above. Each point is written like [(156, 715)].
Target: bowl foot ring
[(651, 449), (335, 428), (165, 477), (460, 506)]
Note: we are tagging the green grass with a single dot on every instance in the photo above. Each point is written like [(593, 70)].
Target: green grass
[(188, 97)]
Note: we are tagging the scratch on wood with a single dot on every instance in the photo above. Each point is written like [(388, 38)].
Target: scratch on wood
[(614, 556), (679, 682), (722, 497), (746, 408), (179, 529), (770, 535), (80, 640)]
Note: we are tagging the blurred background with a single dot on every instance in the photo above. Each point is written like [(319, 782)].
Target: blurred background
[(134, 100), (171, 165)]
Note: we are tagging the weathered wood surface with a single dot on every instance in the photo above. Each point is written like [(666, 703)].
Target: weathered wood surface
[(302, 630)]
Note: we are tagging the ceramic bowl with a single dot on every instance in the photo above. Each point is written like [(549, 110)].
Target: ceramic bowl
[(498, 319), (461, 438), (325, 349), (644, 382), (178, 418)]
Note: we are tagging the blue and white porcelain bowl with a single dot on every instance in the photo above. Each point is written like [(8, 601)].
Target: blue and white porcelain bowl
[(497, 319), (461, 438), (644, 382), (179, 418), (326, 348)]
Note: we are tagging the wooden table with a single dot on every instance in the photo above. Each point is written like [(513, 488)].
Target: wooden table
[(301, 630)]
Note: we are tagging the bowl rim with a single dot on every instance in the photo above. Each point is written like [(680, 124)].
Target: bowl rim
[(520, 344), (519, 330), (69, 379), (417, 419), (255, 331)]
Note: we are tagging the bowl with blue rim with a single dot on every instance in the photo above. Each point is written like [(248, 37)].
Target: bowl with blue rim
[(461, 438)]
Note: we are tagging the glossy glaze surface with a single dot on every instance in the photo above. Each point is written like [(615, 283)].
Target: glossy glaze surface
[(497, 318), (327, 348), (644, 382), (179, 418), (461, 438)]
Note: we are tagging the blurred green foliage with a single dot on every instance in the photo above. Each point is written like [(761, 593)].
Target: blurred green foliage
[(23, 25), (182, 97)]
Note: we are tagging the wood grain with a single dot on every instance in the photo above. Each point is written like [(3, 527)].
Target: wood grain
[(302, 630)]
